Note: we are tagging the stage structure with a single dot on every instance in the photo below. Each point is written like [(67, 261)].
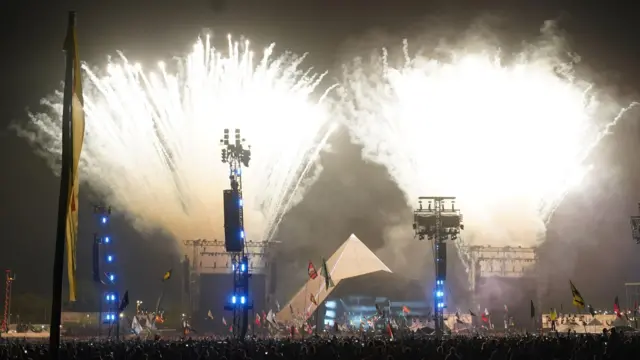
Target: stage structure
[(210, 259), (439, 222), (6, 318), (236, 154), (632, 294), (104, 271), (505, 262), (635, 227)]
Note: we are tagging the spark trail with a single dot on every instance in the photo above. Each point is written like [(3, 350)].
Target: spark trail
[(509, 138), (152, 142)]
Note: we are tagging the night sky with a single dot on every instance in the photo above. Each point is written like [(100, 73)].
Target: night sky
[(594, 222)]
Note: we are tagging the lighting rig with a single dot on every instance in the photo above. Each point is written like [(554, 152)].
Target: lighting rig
[(104, 269), (635, 227), (236, 154), (8, 284), (439, 222)]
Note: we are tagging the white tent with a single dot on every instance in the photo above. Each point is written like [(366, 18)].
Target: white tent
[(352, 259)]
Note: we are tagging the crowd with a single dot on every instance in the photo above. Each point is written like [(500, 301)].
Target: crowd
[(522, 347)]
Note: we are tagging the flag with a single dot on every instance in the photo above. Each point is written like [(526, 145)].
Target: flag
[(591, 311), (311, 270), (506, 309), (224, 321), (616, 307), (258, 319), (327, 276), (390, 331), (405, 310), (313, 299), (471, 313), (125, 301), (135, 326), (578, 301), (485, 318), (291, 309), (210, 315), (533, 310), (554, 315), (72, 139), (167, 275), (277, 305)]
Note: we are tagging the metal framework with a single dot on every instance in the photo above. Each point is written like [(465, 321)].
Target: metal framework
[(6, 318), (632, 294), (635, 227), (258, 251), (236, 154), (105, 277), (488, 261), (439, 222)]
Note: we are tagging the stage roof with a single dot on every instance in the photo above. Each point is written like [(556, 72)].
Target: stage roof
[(352, 259)]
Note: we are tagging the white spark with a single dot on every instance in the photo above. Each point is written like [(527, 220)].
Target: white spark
[(508, 140), (152, 142)]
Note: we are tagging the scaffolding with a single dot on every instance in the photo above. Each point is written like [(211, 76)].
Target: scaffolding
[(6, 318)]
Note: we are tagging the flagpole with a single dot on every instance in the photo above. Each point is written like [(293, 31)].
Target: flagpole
[(63, 197)]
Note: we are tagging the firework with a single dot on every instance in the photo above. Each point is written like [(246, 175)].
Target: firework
[(152, 141), (507, 139)]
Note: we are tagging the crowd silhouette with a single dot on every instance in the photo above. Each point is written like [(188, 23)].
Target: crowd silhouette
[(608, 345)]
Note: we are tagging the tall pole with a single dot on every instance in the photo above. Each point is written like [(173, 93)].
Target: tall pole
[(439, 223), (63, 197), (235, 154)]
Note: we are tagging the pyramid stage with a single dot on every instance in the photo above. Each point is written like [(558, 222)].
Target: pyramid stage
[(362, 281)]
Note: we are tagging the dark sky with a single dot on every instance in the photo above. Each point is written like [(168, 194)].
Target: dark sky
[(149, 30)]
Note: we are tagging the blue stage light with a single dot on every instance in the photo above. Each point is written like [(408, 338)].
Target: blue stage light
[(243, 300), (439, 293), (242, 234), (109, 258), (112, 277), (240, 202), (104, 220), (233, 299), (243, 267), (106, 239)]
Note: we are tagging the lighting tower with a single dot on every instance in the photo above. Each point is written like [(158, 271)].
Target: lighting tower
[(6, 319), (235, 153), (439, 222), (635, 227), (104, 268)]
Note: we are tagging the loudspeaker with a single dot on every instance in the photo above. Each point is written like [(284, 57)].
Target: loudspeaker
[(233, 232), (96, 258)]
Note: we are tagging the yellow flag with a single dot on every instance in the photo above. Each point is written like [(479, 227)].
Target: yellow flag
[(77, 138), (553, 315), (167, 275), (577, 297)]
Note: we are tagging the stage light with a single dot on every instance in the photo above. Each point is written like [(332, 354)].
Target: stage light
[(104, 220), (330, 304), (242, 234), (330, 314), (109, 258), (240, 202), (243, 267), (243, 300), (107, 240), (441, 305), (112, 277), (439, 293), (233, 299)]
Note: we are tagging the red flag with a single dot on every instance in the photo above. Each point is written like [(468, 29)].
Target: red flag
[(616, 307), (405, 310), (312, 271), (390, 330), (485, 318), (258, 319)]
